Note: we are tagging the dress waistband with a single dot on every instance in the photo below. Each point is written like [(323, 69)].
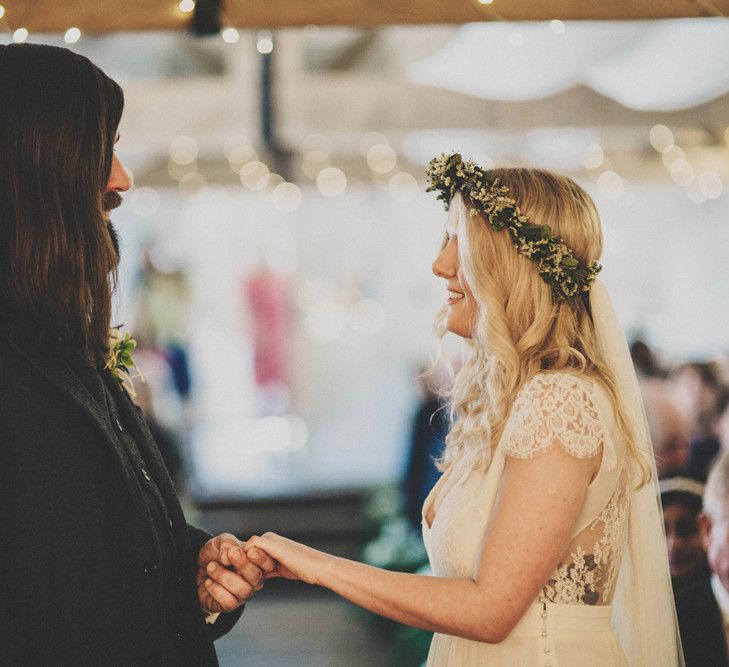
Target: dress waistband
[(575, 618)]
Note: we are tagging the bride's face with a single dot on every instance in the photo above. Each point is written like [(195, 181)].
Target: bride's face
[(462, 308)]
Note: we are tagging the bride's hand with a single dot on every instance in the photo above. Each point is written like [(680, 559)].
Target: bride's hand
[(293, 560)]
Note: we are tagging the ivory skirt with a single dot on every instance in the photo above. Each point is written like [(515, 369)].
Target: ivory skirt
[(559, 636)]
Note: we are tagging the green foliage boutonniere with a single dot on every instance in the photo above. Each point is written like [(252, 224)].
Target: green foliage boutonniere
[(120, 361)]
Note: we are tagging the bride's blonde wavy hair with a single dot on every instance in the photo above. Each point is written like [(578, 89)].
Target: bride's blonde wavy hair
[(519, 330)]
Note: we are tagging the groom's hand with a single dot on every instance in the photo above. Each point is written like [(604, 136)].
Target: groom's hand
[(222, 589)]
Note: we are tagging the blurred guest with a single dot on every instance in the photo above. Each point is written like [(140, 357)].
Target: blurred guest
[(721, 423), (267, 295), (681, 498), (703, 606), (645, 361), (669, 434), (695, 388), (427, 441)]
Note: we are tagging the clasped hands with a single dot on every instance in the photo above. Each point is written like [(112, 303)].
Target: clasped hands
[(230, 572), (227, 575)]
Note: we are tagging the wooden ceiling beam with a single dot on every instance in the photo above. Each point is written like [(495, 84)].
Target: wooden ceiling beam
[(101, 16)]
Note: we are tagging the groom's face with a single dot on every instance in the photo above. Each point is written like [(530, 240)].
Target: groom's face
[(119, 181)]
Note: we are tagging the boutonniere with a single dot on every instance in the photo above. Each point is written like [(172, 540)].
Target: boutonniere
[(120, 361)]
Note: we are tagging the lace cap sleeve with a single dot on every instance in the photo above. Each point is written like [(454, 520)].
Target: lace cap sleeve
[(555, 407)]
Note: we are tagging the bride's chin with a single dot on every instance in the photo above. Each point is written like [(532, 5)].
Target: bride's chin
[(458, 330)]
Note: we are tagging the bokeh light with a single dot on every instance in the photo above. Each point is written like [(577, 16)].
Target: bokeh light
[(254, 175), (331, 181), (183, 150)]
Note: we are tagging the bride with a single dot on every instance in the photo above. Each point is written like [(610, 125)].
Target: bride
[(544, 532)]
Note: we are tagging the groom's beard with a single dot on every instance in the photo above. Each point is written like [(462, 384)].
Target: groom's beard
[(113, 200), (114, 240)]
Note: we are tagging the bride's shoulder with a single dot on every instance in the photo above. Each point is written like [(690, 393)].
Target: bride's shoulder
[(577, 397), (557, 406), (564, 383)]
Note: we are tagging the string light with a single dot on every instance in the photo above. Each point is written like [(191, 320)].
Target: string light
[(314, 162), (711, 185), (241, 155), (610, 184), (274, 181), (331, 181), (694, 192), (485, 2), (264, 43), (287, 197), (187, 6), (403, 187), (72, 36), (234, 143), (661, 138), (370, 139), (230, 35), (191, 184), (381, 158), (178, 171), (2, 11), (20, 35), (684, 176), (254, 175), (557, 26), (593, 156), (183, 150), (674, 159)]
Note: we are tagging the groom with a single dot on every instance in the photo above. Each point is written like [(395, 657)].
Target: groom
[(97, 563)]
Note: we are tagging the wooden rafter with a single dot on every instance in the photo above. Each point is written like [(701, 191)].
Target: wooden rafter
[(101, 16)]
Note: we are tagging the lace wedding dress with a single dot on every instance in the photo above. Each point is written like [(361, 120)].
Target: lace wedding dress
[(569, 624)]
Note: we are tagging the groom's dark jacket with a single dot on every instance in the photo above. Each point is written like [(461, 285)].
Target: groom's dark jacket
[(97, 562)]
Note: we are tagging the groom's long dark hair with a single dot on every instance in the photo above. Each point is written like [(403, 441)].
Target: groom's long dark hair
[(59, 115)]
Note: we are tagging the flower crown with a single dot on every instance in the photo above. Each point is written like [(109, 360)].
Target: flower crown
[(567, 277)]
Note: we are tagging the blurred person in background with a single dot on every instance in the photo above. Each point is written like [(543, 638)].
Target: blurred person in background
[(699, 623), (548, 486), (721, 423), (645, 361), (695, 388), (669, 433), (703, 604), (681, 498), (99, 566), (427, 441)]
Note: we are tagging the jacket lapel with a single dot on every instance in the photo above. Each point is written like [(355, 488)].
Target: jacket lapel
[(59, 374), (134, 420)]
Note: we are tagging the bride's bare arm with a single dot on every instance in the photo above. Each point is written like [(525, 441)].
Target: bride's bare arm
[(537, 506)]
